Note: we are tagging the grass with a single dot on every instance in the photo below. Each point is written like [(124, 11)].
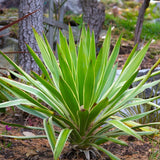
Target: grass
[(127, 27)]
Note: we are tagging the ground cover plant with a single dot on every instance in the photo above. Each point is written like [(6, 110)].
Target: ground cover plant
[(80, 94), (127, 26)]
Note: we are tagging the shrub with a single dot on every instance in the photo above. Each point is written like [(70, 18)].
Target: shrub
[(82, 93)]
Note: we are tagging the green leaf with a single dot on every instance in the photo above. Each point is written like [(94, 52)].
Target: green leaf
[(20, 77), (72, 47), (21, 126), (28, 77), (48, 58), (81, 71), (28, 110), (140, 88), (118, 124), (113, 157), (62, 138), (85, 39), (65, 52), (83, 116), (133, 64), (131, 55), (87, 43), (21, 94), (109, 66), (97, 109), (69, 98), (106, 46), (109, 84), (102, 60), (44, 97), (99, 66), (89, 86), (67, 72), (39, 63), (51, 88), (25, 137), (135, 102), (48, 126), (103, 139), (92, 50), (113, 57), (15, 103), (126, 85), (17, 67), (138, 116)]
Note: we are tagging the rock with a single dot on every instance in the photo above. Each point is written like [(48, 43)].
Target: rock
[(11, 45), (70, 5), (74, 6), (3, 36)]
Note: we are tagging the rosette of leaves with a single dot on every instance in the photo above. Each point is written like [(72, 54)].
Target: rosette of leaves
[(80, 93)]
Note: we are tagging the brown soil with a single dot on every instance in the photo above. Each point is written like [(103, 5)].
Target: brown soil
[(39, 149), (153, 54)]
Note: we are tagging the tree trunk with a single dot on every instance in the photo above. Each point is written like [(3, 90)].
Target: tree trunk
[(93, 15), (140, 20), (26, 34)]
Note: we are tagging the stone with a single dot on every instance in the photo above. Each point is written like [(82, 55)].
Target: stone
[(11, 45), (70, 5), (3, 36), (74, 6)]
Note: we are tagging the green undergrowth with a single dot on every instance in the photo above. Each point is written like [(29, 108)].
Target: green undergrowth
[(127, 27)]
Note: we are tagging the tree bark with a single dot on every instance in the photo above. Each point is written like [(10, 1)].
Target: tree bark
[(26, 33), (140, 20), (93, 15)]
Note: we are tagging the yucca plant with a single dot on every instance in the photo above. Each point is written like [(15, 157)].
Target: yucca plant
[(80, 94)]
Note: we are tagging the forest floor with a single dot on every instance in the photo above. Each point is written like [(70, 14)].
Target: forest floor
[(39, 149)]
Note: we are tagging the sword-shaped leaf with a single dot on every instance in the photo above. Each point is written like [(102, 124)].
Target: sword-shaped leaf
[(89, 86), (50, 133), (81, 71), (69, 98), (72, 47), (39, 63), (120, 125), (67, 72), (62, 138), (113, 157), (48, 58)]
